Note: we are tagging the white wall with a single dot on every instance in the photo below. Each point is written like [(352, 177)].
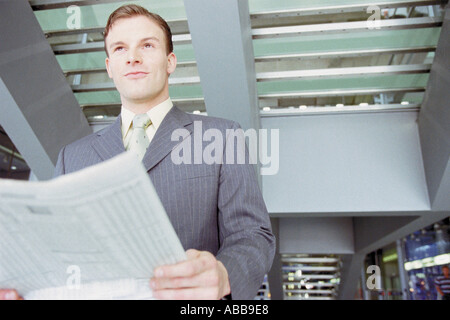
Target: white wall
[(316, 235), (366, 162)]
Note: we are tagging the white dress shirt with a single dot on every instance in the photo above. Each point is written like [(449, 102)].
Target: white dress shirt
[(156, 115)]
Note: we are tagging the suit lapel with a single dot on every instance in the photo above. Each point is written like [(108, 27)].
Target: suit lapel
[(109, 142), (162, 144)]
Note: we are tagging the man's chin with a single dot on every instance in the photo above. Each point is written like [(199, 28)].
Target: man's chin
[(139, 95), (141, 99)]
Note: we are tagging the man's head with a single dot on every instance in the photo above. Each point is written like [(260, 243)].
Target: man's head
[(139, 56), (445, 270), (132, 10)]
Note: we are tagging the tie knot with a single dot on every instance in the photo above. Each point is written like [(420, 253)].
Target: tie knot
[(141, 121)]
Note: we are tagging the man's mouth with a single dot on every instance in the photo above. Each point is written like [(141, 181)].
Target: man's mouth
[(136, 75)]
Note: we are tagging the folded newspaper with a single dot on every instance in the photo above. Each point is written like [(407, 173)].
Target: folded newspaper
[(95, 234)]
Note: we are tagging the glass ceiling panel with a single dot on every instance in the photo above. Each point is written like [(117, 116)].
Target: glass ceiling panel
[(373, 82), (85, 61), (97, 15), (106, 97), (382, 40), (324, 50), (258, 6), (413, 97), (112, 97)]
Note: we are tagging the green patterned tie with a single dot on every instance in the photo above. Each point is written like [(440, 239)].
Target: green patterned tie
[(139, 141)]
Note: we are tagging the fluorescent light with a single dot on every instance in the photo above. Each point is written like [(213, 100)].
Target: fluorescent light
[(339, 105), (391, 257), (441, 259), (428, 262), (404, 103), (196, 111), (266, 109), (363, 104), (303, 107)]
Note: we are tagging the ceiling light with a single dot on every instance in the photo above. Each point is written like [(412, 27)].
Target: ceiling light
[(13, 167), (196, 112), (266, 109), (363, 104), (405, 103), (303, 107), (339, 105)]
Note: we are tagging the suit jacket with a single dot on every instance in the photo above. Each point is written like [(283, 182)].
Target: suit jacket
[(215, 207)]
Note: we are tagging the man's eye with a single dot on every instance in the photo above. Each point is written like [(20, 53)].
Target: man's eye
[(118, 49), (147, 45)]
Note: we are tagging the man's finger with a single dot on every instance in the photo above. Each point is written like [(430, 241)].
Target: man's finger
[(192, 253), (194, 265), (205, 279), (9, 294)]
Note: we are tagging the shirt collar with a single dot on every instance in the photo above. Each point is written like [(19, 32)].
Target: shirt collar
[(156, 115)]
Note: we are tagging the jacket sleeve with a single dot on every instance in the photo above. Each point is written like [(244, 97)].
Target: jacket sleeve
[(247, 245), (59, 169)]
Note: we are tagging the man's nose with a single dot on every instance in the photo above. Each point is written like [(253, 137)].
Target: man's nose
[(134, 57)]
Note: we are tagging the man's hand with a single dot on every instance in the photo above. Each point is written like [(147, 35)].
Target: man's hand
[(9, 294), (201, 276)]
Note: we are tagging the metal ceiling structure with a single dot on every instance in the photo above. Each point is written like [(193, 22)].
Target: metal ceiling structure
[(311, 277), (244, 61), (302, 51)]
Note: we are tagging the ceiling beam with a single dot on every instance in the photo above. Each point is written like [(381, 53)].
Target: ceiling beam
[(96, 46), (391, 24), (221, 37), (109, 86), (341, 8), (434, 120), (340, 92), (342, 72), (58, 4), (344, 53), (353, 109), (176, 26), (39, 111)]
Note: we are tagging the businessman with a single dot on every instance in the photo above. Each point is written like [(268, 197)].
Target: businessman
[(216, 209)]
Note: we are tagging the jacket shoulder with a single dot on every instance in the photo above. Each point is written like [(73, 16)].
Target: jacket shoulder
[(214, 122)]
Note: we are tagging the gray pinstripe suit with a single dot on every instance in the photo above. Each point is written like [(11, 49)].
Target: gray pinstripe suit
[(218, 208)]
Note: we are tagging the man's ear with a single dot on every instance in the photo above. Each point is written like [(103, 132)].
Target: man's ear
[(108, 67), (171, 63)]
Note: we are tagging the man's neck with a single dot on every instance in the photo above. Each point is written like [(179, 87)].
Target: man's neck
[(143, 107)]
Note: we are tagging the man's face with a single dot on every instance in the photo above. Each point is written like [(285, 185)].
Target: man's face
[(138, 62), (445, 271)]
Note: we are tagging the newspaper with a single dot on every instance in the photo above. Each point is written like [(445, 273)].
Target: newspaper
[(95, 234)]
